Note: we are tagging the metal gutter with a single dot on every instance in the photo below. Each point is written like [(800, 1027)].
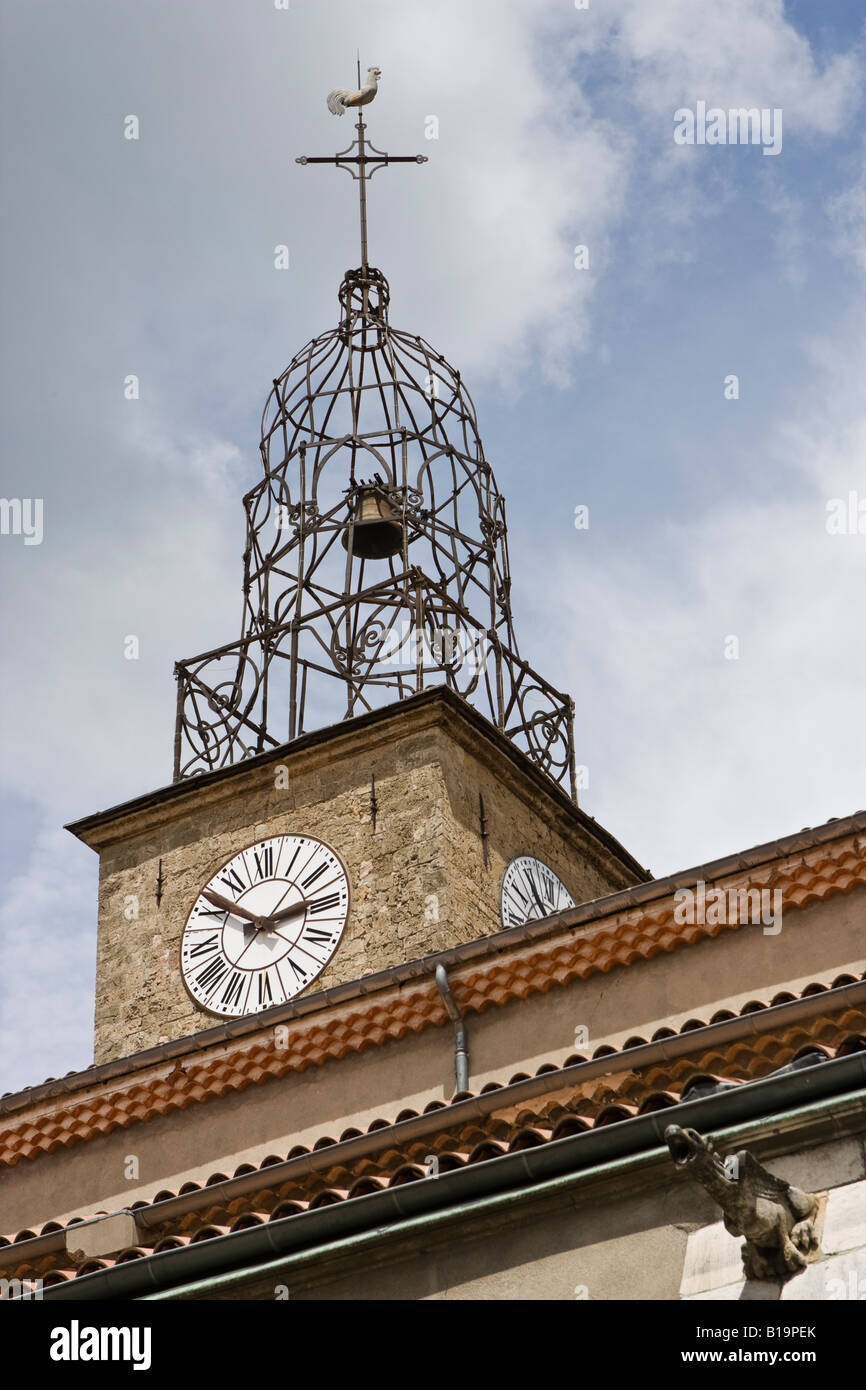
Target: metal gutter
[(486, 1103), (488, 1208), (244, 1250), (473, 1108)]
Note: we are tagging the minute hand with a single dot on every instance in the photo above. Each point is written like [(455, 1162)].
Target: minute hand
[(228, 906), (536, 895)]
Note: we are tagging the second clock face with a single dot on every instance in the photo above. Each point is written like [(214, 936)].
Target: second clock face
[(531, 890), (265, 926)]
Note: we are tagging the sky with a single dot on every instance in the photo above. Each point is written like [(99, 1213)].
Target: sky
[(707, 621)]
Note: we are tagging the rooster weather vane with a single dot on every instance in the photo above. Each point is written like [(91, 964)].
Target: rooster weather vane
[(341, 98), (360, 154), (362, 590)]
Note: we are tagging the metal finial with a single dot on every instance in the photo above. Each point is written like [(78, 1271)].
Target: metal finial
[(361, 152), (359, 595)]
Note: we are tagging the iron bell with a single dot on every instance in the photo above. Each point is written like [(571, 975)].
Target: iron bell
[(377, 530)]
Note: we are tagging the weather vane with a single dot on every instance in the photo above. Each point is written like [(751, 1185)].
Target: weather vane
[(387, 571), (361, 152)]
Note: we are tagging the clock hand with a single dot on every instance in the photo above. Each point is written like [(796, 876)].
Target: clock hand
[(228, 906), (281, 900), (535, 895), (287, 912)]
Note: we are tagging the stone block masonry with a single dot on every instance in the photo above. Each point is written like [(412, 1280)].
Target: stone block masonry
[(419, 881)]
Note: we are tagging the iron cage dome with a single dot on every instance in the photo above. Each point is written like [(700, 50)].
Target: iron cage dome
[(377, 520)]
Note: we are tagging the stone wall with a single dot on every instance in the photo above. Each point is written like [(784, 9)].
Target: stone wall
[(419, 881)]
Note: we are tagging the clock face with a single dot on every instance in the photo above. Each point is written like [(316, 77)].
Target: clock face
[(265, 925), (531, 890)]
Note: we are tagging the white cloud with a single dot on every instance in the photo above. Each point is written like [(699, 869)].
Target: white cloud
[(692, 755), (742, 53), (848, 214), (46, 993), (555, 129)]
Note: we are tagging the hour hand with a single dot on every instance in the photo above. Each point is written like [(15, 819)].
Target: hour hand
[(293, 911), (228, 906)]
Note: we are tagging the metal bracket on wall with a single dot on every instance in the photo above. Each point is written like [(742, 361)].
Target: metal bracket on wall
[(485, 837)]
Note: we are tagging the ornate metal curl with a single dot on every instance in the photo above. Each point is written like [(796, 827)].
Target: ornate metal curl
[(327, 633)]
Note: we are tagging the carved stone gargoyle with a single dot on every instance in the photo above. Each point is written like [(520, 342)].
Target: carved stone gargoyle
[(778, 1220)]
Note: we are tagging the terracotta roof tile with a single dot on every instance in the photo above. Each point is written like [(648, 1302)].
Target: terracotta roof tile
[(468, 1144), (824, 868), (530, 967)]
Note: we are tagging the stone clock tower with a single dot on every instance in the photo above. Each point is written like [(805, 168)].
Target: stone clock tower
[(371, 773), (381, 1013)]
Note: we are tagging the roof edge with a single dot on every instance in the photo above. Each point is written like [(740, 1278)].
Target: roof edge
[(388, 1210), (425, 967), (83, 827)]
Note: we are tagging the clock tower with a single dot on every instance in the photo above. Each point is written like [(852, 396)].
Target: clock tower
[(371, 772), (381, 1013)]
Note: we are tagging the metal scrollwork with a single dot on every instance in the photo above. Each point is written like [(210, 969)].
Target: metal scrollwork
[(324, 617)]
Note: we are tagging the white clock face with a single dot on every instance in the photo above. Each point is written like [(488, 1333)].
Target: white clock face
[(265, 925), (531, 890)]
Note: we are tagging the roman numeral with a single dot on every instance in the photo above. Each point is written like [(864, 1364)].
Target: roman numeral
[(299, 974), (318, 936), (264, 862), (209, 978), (232, 879), (536, 886), (211, 912), (233, 990), (311, 878), (324, 904), (513, 892), (265, 996), (204, 948)]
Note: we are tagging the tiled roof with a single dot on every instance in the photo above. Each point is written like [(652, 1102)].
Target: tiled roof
[(848, 836), (586, 940), (645, 932), (579, 1096)]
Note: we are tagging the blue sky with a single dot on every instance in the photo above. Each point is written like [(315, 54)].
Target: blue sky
[(602, 387)]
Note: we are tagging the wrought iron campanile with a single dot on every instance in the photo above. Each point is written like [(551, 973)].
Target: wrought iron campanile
[(376, 559)]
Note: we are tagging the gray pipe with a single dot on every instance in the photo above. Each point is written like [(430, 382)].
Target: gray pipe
[(461, 1053)]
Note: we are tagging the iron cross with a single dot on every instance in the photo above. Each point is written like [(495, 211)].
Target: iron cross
[(367, 159)]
